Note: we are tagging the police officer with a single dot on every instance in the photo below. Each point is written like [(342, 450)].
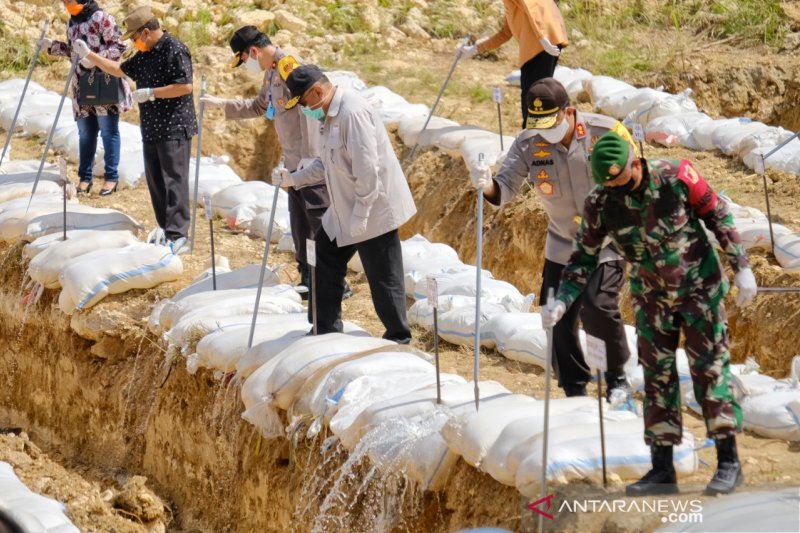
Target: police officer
[(652, 210), (370, 199), (297, 134), (552, 156)]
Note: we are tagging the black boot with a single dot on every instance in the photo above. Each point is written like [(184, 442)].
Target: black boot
[(574, 390), (729, 472), (661, 479)]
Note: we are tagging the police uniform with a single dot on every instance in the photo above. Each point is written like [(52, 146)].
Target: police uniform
[(562, 179), (299, 139)]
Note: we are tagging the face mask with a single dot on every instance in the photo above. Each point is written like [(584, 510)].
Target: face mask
[(252, 65), (555, 134), (74, 9), (625, 188), (317, 113), (139, 45)]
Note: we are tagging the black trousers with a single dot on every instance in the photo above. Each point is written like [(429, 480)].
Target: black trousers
[(543, 65), (598, 309), (166, 166), (382, 258), (306, 207)]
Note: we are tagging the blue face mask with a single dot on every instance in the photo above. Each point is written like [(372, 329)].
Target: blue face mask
[(317, 113)]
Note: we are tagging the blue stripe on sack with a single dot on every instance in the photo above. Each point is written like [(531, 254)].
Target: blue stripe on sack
[(72, 227), (122, 276), (597, 462)]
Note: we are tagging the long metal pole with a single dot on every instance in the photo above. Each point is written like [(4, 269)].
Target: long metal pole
[(478, 272), (62, 169), (197, 162), (52, 131), (267, 244), (778, 289), (438, 97), (24, 90), (602, 426), (543, 481)]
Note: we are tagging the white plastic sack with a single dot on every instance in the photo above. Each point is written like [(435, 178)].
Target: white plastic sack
[(670, 105), (489, 147), (599, 87), (10, 191), (411, 127), (464, 284), (346, 80), (281, 224), (456, 318), (675, 130), (81, 217), (756, 235), (241, 193), (33, 512), (87, 279), (242, 278), (774, 414), (787, 251)]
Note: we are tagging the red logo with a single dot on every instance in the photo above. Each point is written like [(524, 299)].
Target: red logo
[(580, 130), (534, 506)]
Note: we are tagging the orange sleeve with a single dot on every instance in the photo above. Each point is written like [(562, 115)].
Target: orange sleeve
[(496, 40)]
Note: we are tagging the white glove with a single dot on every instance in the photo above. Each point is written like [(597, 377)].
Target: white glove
[(87, 63), (142, 95), (212, 101), (550, 317), (80, 48), (358, 225), (549, 47), (746, 283), (44, 44), (481, 177), (468, 52), (281, 177)]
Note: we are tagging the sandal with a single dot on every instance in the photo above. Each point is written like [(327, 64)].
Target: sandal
[(108, 191), (87, 189)]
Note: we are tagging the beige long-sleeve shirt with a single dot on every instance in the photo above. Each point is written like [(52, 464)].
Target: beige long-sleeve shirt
[(529, 21)]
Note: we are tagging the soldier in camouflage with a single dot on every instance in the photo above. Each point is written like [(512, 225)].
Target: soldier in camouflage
[(652, 210)]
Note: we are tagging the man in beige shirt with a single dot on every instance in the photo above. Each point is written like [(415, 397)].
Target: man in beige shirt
[(370, 200), (539, 28)]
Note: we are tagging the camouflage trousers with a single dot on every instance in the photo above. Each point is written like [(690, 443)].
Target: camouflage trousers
[(659, 322)]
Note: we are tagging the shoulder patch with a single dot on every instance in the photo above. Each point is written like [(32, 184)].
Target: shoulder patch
[(286, 65), (701, 197), (602, 121)]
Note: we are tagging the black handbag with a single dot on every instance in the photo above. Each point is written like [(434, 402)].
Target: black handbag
[(96, 87)]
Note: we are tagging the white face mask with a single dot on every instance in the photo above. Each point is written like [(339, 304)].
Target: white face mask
[(555, 134), (252, 65)]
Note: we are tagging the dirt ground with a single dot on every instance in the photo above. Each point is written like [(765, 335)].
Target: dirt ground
[(513, 238)]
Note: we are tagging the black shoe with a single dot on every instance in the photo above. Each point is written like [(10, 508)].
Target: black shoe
[(574, 390), (109, 192), (729, 471), (87, 189), (661, 479)]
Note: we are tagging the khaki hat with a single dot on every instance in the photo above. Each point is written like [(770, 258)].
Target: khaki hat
[(136, 19)]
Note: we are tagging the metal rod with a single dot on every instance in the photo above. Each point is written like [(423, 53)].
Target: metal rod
[(436, 354), (778, 289), (478, 263), (24, 90), (313, 298), (267, 243), (62, 167), (213, 258), (197, 163), (438, 97), (766, 199), (543, 480), (602, 426), (500, 125), (52, 131)]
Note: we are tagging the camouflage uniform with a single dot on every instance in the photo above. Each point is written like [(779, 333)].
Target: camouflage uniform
[(676, 282)]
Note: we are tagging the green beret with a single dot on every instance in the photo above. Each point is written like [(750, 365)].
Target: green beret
[(609, 157)]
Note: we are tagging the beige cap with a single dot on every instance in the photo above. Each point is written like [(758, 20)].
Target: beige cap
[(136, 19)]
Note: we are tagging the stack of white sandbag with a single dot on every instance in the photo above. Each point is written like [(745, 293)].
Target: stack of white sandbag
[(215, 174), (392, 107), (33, 512)]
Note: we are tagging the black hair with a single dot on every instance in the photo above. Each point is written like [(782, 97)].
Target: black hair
[(261, 41), (151, 25)]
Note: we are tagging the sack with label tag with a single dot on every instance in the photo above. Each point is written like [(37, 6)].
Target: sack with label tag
[(99, 88)]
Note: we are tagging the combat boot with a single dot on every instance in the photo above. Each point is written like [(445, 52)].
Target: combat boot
[(729, 472), (661, 479)]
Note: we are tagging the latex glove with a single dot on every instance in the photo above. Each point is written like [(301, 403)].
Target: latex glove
[(281, 177), (80, 48), (549, 47), (550, 317), (468, 52), (86, 63), (142, 95), (358, 225), (481, 177), (212, 101), (746, 283), (44, 44)]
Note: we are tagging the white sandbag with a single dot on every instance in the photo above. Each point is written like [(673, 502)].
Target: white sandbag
[(27, 167), (774, 414), (307, 355), (630, 105), (240, 193), (420, 403), (574, 454), (89, 278), (10, 191), (33, 512), (422, 258), (46, 266), (392, 107), (450, 139), (670, 105), (81, 217), (675, 130), (744, 512), (242, 278), (258, 408), (599, 87), (456, 318), (15, 214), (186, 333), (567, 76), (787, 251), (515, 78), (786, 159), (493, 155), (346, 80), (178, 308), (464, 284), (411, 127), (766, 138), (730, 137), (281, 224), (704, 133), (131, 169), (755, 384), (222, 266), (215, 174), (267, 349), (285, 243), (756, 235)]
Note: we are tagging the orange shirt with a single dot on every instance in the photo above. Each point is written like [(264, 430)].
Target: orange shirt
[(529, 21)]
